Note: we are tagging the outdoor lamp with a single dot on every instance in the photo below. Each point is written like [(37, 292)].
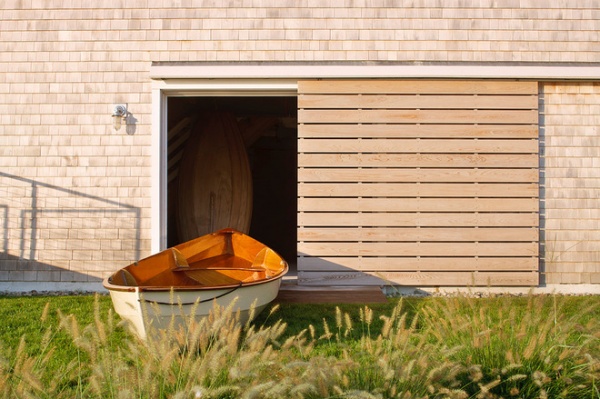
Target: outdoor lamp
[(119, 115)]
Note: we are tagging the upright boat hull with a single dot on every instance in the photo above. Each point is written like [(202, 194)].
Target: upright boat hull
[(148, 310), (215, 179), (222, 268)]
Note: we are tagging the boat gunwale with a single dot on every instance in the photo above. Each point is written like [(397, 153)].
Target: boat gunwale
[(161, 288), (222, 234), (121, 288)]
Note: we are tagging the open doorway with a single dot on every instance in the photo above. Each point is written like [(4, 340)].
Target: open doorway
[(269, 129)]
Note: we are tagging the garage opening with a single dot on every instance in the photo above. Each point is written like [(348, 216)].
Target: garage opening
[(267, 127)]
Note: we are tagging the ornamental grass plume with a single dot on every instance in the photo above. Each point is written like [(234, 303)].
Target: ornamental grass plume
[(460, 347), (531, 351)]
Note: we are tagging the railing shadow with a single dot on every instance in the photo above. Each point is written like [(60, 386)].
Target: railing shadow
[(65, 222)]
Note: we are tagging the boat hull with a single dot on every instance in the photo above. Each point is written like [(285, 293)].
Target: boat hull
[(148, 310), (218, 269), (215, 179)]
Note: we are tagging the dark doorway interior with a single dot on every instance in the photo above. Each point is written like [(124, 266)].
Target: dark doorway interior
[(269, 126)]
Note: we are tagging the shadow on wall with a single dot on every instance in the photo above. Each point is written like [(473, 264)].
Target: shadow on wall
[(317, 271), (56, 234), (14, 269)]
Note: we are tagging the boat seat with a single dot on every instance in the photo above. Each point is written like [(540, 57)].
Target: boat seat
[(123, 277), (179, 259), (214, 278)]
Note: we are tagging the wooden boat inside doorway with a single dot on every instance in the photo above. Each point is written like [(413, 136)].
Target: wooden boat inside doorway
[(215, 179)]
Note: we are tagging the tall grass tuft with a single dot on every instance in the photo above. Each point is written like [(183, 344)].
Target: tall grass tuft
[(533, 351), (536, 347)]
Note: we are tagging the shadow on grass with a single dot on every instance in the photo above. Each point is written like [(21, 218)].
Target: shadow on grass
[(299, 316)]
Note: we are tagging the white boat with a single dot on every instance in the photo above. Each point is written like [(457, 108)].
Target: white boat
[(218, 268)]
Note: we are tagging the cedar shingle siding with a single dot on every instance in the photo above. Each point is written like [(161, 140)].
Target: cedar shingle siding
[(76, 195)]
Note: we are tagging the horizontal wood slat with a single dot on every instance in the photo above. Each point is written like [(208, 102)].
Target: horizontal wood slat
[(418, 116), (418, 249), (340, 146), (432, 175), (418, 204), (461, 279), (418, 219), (418, 182), (441, 190), (419, 160), (369, 234), (416, 87), (343, 264), (416, 102), (418, 131)]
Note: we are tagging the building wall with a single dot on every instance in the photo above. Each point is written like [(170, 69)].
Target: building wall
[(571, 161), (75, 194)]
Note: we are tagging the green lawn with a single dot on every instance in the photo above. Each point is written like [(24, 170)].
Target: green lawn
[(509, 347)]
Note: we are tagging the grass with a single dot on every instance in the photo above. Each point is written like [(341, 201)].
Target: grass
[(459, 347)]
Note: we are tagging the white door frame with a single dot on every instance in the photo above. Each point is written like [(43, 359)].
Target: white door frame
[(161, 91)]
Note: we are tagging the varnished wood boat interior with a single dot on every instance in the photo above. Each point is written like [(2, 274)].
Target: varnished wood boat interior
[(223, 259)]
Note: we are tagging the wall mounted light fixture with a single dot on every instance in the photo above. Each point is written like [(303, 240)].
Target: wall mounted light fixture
[(119, 115)]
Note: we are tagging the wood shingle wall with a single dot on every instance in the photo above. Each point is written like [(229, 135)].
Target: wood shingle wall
[(418, 182), (112, 41), (75, 195), (571, 181)]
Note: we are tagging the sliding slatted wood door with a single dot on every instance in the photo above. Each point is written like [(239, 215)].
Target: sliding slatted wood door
[(430, 183)]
